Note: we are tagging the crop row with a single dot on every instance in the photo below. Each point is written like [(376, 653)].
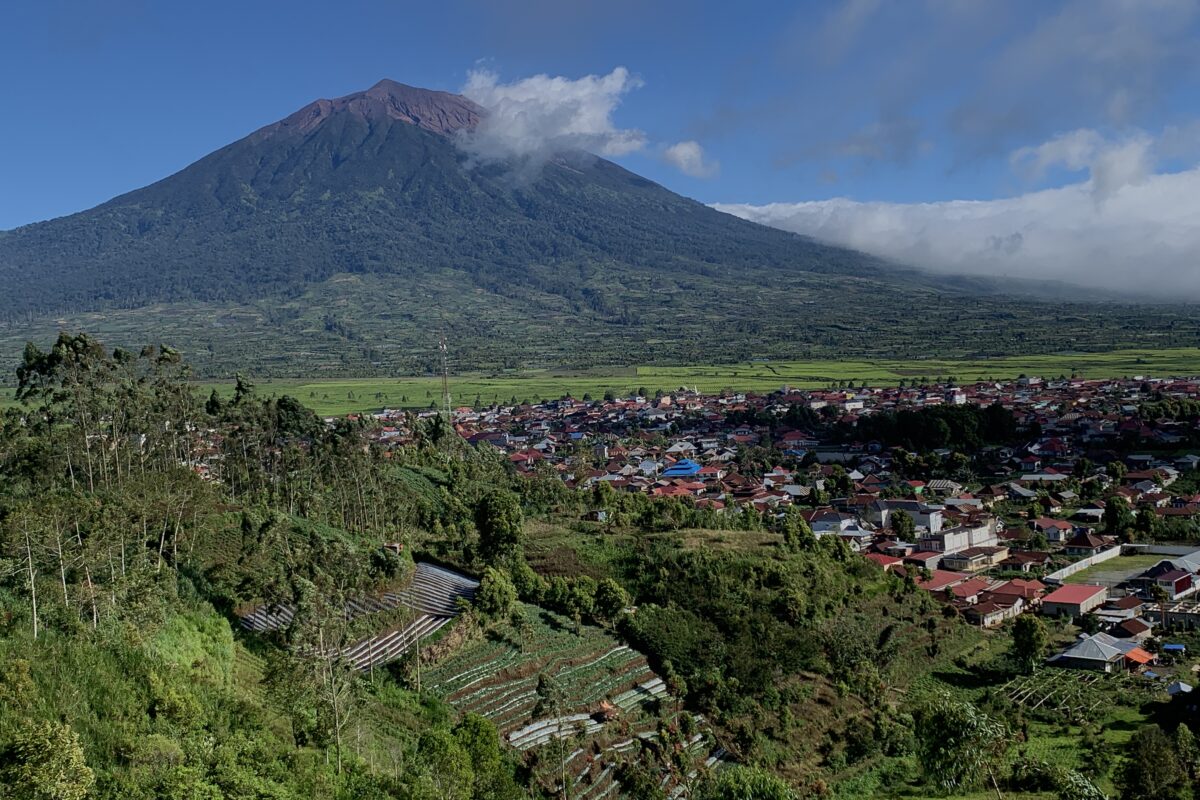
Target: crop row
[(434, 593)]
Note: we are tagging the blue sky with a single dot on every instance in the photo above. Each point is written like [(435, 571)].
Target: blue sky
[(870, 104)]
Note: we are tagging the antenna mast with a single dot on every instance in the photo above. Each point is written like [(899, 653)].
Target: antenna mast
[(445, 380)]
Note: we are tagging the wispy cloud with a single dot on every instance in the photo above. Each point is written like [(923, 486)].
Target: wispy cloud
[(1124, 227), (1113, 164), (842, 26), (689, 158), (981, 78)]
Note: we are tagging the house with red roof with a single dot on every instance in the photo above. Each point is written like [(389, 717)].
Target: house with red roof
[(1074, 600), (991, 610), (969, 590), (1056, 530), (941, 579), (887, 562), (1028, 590)]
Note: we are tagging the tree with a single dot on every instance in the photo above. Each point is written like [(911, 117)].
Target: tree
[(447, 773), (552, 700), (957, 744), (318, 635), (1148, 525), (213, 405), (493, 777), (1151, 770), (797, 535), (500, 523), (47, 763), (1029, 641), (745, 783), (496, 595), (1116, 470), (1118, 519), (902, 525), (611, 599), (243, 389), (1187, 751)]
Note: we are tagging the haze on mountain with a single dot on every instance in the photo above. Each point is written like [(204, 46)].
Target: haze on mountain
[(350, 235)]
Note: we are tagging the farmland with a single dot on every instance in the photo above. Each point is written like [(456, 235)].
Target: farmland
[(431, 597), (498, 677), (331, 397), (351, 395)]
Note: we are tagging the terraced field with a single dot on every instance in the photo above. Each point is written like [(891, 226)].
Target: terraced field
[(613, 696), (432, 595)]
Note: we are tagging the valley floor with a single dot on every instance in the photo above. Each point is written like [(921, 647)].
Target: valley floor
[(361, 395)]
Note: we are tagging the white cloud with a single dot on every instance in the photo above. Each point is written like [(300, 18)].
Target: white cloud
[(1124, 228), (1074, 150), (1113, 164), (688, 157), (531, 120), (843, 26), (534, 118)]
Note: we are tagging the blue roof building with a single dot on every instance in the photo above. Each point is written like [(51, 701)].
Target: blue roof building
[(685, 468)]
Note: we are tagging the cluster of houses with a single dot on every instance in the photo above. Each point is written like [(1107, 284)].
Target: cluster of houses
[(689, 445), (991, 542)]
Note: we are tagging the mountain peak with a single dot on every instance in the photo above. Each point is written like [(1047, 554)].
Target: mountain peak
[(442, 113)]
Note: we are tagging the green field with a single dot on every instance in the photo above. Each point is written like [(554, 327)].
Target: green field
[(1119, 568), (349, 395)]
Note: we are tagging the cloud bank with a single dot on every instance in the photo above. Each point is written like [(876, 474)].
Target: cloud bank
[(531, 120), (1124, 228)]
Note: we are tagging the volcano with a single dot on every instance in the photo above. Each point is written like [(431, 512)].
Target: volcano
[(352, 233)]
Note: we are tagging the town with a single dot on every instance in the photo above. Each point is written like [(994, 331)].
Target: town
[(1097, 481)]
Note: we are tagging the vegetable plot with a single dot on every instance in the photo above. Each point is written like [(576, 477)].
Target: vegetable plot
[(433, 594), (609, 703)]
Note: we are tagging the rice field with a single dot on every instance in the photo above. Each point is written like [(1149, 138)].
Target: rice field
[(331, 397), (351, 395)]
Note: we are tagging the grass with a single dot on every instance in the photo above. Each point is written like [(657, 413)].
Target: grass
[(351, 395), (1115, 570), (334, 397)]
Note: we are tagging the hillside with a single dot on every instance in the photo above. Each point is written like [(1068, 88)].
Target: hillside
[(344, 238)]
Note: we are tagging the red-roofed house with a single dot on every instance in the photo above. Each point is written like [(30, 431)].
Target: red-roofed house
[(1029, 591), (887, 562), (1056, 530), (941, 579), (1074, 600), (970, 590), (924, 558)]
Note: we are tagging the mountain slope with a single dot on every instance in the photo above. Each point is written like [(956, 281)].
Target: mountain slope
[(371, 183), (345, 237)]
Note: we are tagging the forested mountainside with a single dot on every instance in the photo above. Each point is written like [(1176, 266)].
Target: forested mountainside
[(347, 237)]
